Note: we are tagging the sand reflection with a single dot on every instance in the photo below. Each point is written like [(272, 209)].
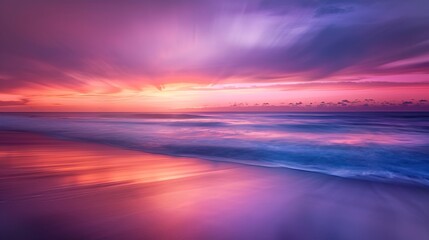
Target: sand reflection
[(57, 189)]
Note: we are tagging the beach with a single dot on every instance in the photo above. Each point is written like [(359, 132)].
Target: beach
[(214, 120), (54, 188)]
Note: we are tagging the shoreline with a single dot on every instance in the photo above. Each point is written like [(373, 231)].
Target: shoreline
[(89, 191), (288, 170)]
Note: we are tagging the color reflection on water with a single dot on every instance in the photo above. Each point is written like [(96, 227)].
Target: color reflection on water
[(390, 147), (79, 164), (56, 189)]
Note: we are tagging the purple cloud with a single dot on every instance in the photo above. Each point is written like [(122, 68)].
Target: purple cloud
[(131, 43)]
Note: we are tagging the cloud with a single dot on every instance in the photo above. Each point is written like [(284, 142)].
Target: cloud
[(14, 103), (328, 10), (108, 46)]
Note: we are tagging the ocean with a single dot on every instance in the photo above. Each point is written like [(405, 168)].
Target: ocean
[(376, 146)]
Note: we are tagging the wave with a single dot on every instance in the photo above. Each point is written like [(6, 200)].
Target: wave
[(381, 147)]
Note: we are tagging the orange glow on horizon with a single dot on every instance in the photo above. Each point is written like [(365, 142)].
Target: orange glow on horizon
[(180, 96)]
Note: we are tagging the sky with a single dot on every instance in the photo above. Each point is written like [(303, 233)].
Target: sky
[(214, 55)]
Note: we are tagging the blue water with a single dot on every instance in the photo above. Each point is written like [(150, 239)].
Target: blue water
[(390, 147)]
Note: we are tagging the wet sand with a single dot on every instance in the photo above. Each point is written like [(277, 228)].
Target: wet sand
[(60, 189)]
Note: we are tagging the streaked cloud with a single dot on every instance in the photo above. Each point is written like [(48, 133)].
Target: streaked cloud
[(117, 47)]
